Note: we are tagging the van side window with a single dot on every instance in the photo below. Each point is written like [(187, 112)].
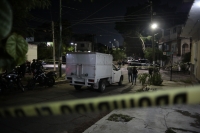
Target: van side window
[(114, 68)]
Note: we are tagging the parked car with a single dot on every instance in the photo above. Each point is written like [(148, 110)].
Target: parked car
[(133, 61), (144, 63), (128, 61)]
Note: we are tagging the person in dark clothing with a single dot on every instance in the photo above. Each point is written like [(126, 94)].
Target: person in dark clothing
[(28, 67), (33, 66), (135, 72), (22, 69), (130, 72), (119, 64), (37, 65), (151, 70)]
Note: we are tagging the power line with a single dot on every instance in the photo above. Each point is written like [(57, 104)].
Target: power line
[(114, 21), (111, 19), (74, 8), (91, 14)]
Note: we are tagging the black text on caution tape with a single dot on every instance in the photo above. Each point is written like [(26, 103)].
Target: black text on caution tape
[(146, 99)]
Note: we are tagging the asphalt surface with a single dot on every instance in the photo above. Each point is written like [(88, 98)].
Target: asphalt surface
[(75, 123), (161, 119)]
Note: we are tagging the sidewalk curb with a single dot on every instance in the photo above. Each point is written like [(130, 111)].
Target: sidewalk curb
[(61, 82)]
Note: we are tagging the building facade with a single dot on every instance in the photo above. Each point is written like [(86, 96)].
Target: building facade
[(173, 45), (192, 30)]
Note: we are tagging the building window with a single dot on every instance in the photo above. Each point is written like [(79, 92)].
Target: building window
[(166, 47)]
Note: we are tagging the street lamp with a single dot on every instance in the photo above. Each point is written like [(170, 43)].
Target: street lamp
[(153, 26)]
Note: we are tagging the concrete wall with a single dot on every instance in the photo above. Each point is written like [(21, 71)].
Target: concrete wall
[(32, 52), (195, 58)]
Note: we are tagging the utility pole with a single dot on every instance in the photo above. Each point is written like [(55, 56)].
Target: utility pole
[(53, 46), (153, 47), (60, 46), (171, 66)]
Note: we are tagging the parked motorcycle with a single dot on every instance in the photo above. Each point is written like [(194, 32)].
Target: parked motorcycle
[(44, 79), (11, 80)]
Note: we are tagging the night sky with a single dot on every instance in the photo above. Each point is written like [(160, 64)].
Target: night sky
[(96, 17)]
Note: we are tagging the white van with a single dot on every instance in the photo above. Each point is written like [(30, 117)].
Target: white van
[(92, 69)]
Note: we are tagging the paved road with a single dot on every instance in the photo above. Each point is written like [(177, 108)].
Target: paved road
[(55, 124)]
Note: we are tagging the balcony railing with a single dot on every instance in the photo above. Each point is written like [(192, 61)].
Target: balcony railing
[(168, 38)]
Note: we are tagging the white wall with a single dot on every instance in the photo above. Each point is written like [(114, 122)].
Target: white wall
[(195, 58), (32, 52)]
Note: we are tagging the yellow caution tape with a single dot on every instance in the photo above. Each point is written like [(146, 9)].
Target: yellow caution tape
[(189, 95), (143, 66)]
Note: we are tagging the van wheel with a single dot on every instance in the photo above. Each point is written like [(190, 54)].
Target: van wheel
[(102, 85), (77, 87), (120, 81)]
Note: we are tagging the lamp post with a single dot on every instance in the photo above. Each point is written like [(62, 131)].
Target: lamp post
[(75, 46), (153, 26), (60, 45)]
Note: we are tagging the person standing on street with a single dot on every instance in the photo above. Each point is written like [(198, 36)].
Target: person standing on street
[(135, 72), (33, 66), (130, 71), (119, 64)]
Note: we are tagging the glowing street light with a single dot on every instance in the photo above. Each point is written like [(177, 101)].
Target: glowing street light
[(154, 26)]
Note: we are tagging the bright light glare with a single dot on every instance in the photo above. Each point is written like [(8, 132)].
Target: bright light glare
[(89, 51), (198, 3), (154, 26)]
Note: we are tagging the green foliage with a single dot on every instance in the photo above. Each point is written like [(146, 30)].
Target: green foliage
[(21, 12), (148, 54), (118, 54), (186, 57), (5, 19), (143, 77), (22, 7), (14, 47), (146, 39), (183, 66), (68, 49), (44, 51), (156, 79), (17, 47), (13, 52)]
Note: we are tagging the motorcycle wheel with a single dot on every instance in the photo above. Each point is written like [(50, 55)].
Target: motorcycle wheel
[(50, 82), (31, 84)]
